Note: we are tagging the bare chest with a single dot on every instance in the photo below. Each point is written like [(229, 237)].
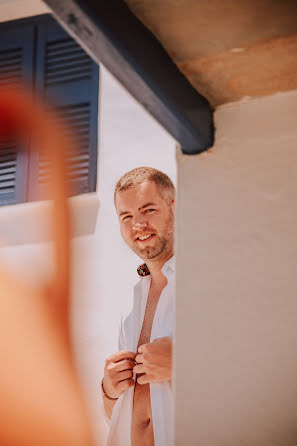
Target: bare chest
[(150, 310), (142, 427)]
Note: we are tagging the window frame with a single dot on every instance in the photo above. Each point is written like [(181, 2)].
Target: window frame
[(27, 161)]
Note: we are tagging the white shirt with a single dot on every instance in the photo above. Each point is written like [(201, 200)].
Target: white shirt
[(161, 393)]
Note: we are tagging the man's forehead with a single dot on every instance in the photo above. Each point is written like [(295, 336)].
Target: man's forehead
[(138, 195)]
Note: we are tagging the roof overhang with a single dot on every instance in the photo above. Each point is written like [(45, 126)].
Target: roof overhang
[(114, 36)]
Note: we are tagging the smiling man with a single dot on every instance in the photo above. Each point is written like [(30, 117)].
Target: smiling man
[(136, 387)]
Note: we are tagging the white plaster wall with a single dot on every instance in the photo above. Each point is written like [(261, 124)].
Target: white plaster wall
[(104, 270), (17, 9), (236, 333)]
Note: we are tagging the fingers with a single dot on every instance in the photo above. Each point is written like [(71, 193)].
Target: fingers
[(115, 385), (119, 356), (141, 348), (163, 339), (118, 373), (124, 385), (125, 364), (139, 359), (143, 379), (127, 374), (139, 369)]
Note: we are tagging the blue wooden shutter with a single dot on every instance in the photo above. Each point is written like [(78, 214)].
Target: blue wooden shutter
[(68, 79), (16, 69)]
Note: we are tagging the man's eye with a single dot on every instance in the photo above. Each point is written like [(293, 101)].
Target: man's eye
[(150, 210), (126, 218)]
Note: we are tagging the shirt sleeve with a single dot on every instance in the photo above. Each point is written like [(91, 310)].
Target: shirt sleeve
[(121, 346)]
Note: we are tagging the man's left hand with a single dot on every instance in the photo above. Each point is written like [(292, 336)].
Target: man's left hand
[(154, 360)]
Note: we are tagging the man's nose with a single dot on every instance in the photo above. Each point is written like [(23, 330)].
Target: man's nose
[(139, 224)]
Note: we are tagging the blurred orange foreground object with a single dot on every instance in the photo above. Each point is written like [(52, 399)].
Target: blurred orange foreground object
[(41, 402)]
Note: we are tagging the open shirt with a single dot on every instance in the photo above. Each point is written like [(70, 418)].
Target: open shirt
[(160, 393)]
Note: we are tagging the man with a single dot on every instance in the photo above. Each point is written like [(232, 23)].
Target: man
[(141, 411)]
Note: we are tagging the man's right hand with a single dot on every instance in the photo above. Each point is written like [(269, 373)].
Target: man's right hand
[(118, 373)]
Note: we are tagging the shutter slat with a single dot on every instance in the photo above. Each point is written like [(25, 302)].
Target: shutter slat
[(74, 68), (77, 125), (16, 65), (65, 43), (7, 184), (67, 110), (67, 60), (7, 158), (10, 177), (10, 54), (11, 64), (76, 158), (8, 167), (79, 171), (73, 74), (13, 83), (63, 51), (77, 165), (60, 71), (11, 67), (65, 80), (9, 170), (3, 193), (11, 79), (68, 79)]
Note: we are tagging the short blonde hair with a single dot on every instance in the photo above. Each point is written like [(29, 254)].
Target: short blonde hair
[(141, 174)]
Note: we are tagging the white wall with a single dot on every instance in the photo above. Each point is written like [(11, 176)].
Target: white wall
[(236, 362), (104, 270), (17, 9)]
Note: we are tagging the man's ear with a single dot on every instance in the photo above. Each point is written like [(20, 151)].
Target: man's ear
[(172, 205)]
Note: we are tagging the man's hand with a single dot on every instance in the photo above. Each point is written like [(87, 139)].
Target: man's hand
[(118, 373), (155, 361)]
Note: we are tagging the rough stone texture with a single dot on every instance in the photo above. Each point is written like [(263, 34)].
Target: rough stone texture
[(227, 49)]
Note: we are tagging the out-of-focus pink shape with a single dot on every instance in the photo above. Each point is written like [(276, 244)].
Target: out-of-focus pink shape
[(41, 402)]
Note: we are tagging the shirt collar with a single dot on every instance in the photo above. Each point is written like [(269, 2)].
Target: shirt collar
[(169, 266)]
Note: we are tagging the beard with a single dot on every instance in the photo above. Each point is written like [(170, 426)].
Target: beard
[(163, 243), (150, 252)]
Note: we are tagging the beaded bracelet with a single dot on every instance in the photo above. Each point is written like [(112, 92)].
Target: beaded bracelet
[(105, 394)]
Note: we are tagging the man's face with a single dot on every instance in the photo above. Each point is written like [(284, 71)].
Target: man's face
[(146, 221)]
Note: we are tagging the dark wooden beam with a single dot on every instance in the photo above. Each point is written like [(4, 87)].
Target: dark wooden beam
[(113, 35)]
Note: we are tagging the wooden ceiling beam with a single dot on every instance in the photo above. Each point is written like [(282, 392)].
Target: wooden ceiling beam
[(114, 36)]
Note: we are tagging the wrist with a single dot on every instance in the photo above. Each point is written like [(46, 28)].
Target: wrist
[(105, 394)]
